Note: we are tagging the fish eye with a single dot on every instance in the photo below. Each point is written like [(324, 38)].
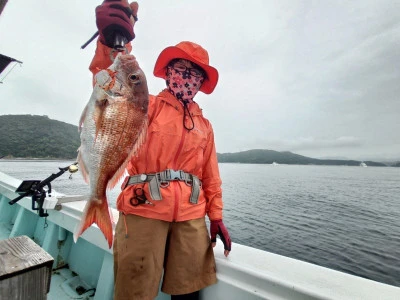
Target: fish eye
[(133, 77)]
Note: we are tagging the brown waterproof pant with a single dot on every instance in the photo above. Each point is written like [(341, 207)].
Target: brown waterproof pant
[(144, 247)]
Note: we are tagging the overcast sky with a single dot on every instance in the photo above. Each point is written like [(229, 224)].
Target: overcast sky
[(318, 78)]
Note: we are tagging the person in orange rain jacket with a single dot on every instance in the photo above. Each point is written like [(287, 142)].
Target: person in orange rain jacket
[(174, 180)]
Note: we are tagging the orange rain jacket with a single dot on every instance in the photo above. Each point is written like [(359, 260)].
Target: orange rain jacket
[(170, 146)]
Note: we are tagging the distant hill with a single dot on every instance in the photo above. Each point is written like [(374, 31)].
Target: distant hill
[(260, 156), (30, 136)]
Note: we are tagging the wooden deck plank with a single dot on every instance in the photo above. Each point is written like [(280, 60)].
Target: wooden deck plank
[(25, 269)]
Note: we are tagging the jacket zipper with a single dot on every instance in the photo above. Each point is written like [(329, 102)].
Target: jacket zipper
[(177, 198)]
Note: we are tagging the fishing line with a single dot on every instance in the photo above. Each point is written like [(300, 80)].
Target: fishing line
[(1, 80)]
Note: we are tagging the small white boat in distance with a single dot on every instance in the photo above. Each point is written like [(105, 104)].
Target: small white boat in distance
[(363, 164), (274, 163)]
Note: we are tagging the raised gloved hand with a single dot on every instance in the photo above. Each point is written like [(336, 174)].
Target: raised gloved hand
[(217, 227), (116, 16)]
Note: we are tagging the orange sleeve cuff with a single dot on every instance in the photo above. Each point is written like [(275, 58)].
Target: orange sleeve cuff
[(214, 209)]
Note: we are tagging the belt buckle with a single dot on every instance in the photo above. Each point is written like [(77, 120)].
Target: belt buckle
[(175, 175)]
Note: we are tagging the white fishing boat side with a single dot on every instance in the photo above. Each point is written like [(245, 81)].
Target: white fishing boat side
[(248, 273)]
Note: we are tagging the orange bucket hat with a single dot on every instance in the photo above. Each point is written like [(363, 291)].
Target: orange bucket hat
[(193, 52)]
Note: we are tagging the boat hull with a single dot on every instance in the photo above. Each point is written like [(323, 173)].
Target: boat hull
[(247, 273)]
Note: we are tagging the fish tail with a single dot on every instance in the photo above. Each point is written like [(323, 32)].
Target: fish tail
[(96, 211)]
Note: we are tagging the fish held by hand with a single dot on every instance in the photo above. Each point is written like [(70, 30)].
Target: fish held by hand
[(113, 126)]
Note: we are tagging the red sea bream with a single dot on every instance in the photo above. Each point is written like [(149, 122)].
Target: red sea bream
[(113, 126)]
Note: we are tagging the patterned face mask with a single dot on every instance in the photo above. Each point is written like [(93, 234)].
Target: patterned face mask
[(184, 79)]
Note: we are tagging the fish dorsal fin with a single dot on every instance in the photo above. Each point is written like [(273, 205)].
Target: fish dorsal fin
[(138, 143)]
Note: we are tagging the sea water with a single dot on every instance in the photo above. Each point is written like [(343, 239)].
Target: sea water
[(339, 217)]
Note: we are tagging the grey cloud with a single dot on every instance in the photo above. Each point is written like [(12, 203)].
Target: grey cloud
[(294, 75)]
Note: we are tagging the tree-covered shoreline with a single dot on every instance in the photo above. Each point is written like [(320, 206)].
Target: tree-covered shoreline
[(32, 137)]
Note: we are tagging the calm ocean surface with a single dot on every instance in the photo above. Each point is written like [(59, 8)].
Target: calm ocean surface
[(343, 218)]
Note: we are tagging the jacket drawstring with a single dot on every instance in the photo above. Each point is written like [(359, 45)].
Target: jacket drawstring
[(186, 109)]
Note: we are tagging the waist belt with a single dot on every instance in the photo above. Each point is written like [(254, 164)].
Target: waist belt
[(162, 179)]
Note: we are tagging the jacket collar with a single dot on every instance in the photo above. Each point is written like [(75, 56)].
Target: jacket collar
[(170, 99)]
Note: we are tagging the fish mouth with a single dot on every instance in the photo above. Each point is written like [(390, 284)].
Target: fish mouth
[(112, 94), (119, 92), (113, 87)]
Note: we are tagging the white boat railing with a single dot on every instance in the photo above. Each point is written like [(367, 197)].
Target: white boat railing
[(247, 273)]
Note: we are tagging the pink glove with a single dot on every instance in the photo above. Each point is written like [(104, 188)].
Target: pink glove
[(116, 16), (217, 227)]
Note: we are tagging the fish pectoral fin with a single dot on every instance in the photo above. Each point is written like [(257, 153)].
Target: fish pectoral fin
[(82, 166), (98, 116), (96, 211), (102, 102)]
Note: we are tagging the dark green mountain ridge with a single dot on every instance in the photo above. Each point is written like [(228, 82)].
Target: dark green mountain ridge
[(261, 156), (32, 136)]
